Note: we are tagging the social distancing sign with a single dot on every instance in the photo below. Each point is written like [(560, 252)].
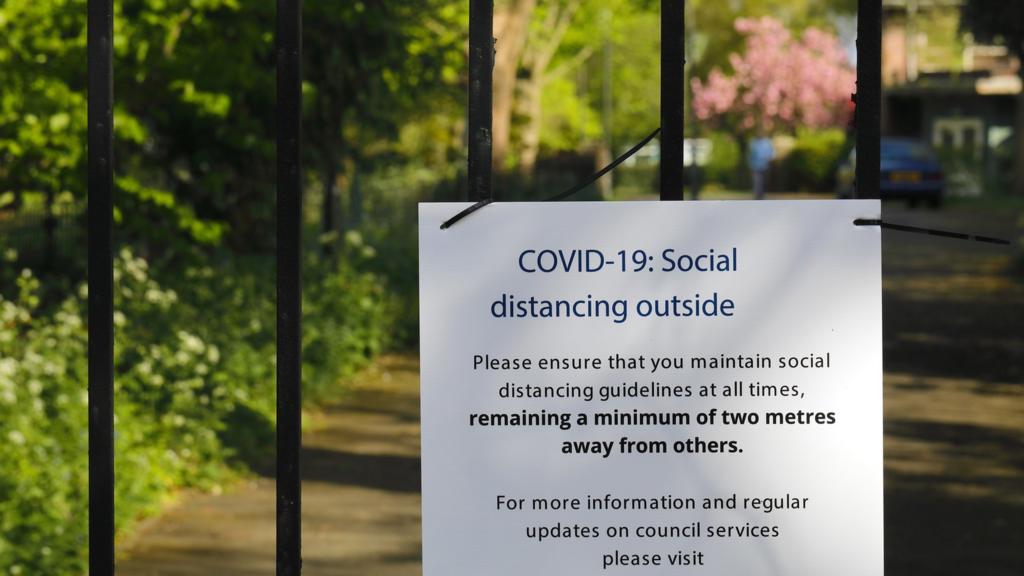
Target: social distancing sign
[(651, 388)]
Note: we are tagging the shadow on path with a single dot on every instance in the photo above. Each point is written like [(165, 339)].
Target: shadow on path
[(953, 321)]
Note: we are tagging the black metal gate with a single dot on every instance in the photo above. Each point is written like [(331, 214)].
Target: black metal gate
[(289, 211)]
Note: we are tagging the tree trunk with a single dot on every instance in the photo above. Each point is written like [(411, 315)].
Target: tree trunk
[(511, 26), (355, 196), (606, 149), (532, 90), (330, 177), (50, 229)]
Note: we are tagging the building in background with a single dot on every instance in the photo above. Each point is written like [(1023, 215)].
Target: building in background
[(958, 95)]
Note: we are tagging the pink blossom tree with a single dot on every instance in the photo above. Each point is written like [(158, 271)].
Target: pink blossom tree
[(779, 83)]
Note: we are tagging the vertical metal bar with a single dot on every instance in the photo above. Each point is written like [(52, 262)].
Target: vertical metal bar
[(289, 286), (101, 287), (868, 98), (673, 57), (481, 84)]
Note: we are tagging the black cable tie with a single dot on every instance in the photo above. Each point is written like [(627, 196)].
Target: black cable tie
[(615, 163), (562, 195), (929, 231), (449, 222)]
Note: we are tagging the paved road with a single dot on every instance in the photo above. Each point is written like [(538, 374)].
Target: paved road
[(954, 451)]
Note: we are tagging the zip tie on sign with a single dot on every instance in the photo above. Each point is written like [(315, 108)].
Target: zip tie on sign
[(929, 231), (562, 195), (625, 156)]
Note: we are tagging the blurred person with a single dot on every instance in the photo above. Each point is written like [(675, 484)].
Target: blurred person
[(759, 157)]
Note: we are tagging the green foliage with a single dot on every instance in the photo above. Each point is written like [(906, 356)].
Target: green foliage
[(162, 218), (376, 73), (195, 102), (725, 160), (636, 67), (43, 441), (42, 101), (194, 361), (569, 120), (626, 32), (348, 319), (811, 164)]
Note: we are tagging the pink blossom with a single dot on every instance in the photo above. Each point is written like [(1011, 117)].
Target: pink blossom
[(780, 81)]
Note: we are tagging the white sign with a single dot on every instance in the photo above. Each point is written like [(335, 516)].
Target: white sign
[(652, 388)]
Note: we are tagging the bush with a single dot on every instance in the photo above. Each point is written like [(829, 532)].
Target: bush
[(194, 390), (635, 181), (811, 164), (724, 164), (43, 435)]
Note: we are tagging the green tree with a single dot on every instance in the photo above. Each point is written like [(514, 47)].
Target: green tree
[(370, 70), (195, 90)]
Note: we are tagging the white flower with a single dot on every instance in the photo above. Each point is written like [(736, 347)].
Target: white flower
[(8, 367), (153, 296), (353, 238), (191, 342), (17, 438), (10, 313)]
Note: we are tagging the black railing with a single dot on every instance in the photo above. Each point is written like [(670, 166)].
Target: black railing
[(289, 286), (101, 287), (289, 205)]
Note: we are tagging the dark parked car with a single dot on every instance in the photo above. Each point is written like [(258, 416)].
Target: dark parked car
[(910, 171)]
